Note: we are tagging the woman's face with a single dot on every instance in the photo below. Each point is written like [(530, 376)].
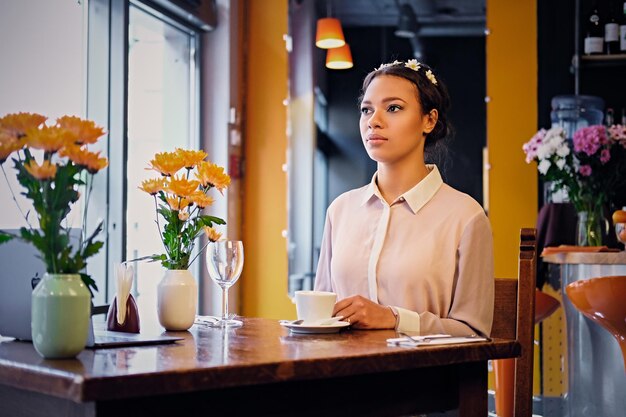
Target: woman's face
[(392, 121)]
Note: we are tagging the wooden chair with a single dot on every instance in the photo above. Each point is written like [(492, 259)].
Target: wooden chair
[(514, 319)]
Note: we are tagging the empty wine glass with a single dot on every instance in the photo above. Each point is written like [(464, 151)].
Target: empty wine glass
[(224, 260)]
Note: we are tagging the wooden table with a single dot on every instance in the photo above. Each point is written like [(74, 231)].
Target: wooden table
[(258, 369)]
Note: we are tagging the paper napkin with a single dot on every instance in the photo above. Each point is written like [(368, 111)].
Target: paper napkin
[(433, 339), (124, 277)]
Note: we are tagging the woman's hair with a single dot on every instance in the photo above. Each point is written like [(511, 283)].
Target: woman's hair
[(431, 94)]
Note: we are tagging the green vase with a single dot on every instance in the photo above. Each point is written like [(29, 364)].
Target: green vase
[(61, 310)]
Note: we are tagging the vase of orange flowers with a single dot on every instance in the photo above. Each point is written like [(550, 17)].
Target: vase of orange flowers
[(54, 164), (181, 195)]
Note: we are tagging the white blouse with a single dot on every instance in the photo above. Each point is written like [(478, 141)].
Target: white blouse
[(429, 254)]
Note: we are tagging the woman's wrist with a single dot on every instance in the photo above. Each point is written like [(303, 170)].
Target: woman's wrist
[(396, 316)]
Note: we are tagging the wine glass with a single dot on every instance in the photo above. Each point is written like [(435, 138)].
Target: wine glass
[(224, 260)]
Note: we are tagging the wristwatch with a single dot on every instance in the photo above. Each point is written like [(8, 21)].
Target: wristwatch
[(396, 315)]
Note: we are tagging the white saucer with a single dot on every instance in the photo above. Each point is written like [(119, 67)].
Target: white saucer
[(311, 329)]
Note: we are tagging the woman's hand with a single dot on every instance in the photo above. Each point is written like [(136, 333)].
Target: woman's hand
[(364, 314)]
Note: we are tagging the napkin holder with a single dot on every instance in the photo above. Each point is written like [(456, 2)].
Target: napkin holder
[(131, 321)]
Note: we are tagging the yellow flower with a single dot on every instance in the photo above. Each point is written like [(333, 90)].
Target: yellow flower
[(213, 175), (85, 131), (167, 163), (177, 203), (153, 186), (182, 187), (81, 156), (190, 158), (16, 124), (45, 171), (183, 215), (49, 139), (212, 234), (8, 145), (201, 200)]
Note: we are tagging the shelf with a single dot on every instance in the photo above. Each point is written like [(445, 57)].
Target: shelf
[(604, 57), (602, 61)]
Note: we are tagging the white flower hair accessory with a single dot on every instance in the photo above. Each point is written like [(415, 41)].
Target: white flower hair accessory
[(389, 64), (412, 64), (431, 77)]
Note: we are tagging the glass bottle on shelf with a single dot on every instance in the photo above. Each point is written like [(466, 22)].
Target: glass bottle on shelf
[(622, 30), (609, 117), (594, 35), (611, 31)]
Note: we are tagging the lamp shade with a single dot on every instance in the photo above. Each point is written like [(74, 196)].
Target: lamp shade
[(339, 58), (407, 22), (329, 33)]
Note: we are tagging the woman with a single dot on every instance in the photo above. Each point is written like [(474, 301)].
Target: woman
[(407, 251)]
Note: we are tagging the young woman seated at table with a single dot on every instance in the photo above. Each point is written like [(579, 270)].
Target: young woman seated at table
[(407, 251)]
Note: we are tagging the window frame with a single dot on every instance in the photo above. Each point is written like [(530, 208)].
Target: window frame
[(107, 104)]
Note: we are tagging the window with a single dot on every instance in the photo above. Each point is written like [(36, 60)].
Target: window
[(131, 69), (162, 115)]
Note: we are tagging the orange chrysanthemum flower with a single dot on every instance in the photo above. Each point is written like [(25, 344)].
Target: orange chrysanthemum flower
[(81, 156), (45, 171), (167, 163), (178, 204), (201, 200), (49, 139), (8, 145), (182, 187), (16, 124), (213, 175), (212, 234), (153, 186), (85, 131), (191, 158)]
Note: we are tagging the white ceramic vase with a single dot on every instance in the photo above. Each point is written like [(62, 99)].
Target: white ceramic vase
[(177, 300)]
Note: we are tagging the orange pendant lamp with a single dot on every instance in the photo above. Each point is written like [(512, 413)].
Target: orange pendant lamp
[(339, 58), (329, 33)]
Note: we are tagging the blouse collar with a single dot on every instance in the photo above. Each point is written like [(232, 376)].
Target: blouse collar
[(416, 197)]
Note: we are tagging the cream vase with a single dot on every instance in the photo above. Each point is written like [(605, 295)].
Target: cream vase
[(177, 300)]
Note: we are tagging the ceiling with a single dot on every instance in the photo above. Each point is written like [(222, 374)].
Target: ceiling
[(434, 17)]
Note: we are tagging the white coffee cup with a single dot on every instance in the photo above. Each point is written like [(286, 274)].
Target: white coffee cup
[(315, 306)]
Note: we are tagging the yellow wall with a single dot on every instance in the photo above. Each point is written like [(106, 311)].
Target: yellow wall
[(511, 121), (264, 280)]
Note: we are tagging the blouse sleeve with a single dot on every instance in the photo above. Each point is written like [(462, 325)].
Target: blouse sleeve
[(473, 294), (322, 276)]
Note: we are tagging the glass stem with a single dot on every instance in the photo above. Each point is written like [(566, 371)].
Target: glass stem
[(225, 304)]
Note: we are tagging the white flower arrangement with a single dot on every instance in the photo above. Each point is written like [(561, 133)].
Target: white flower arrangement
[(548, 147)]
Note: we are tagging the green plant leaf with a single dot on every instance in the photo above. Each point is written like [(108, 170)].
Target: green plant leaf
[(210, 220), (5, 237), (89, 282)]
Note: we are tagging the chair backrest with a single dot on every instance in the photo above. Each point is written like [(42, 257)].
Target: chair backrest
[(514, 309)]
